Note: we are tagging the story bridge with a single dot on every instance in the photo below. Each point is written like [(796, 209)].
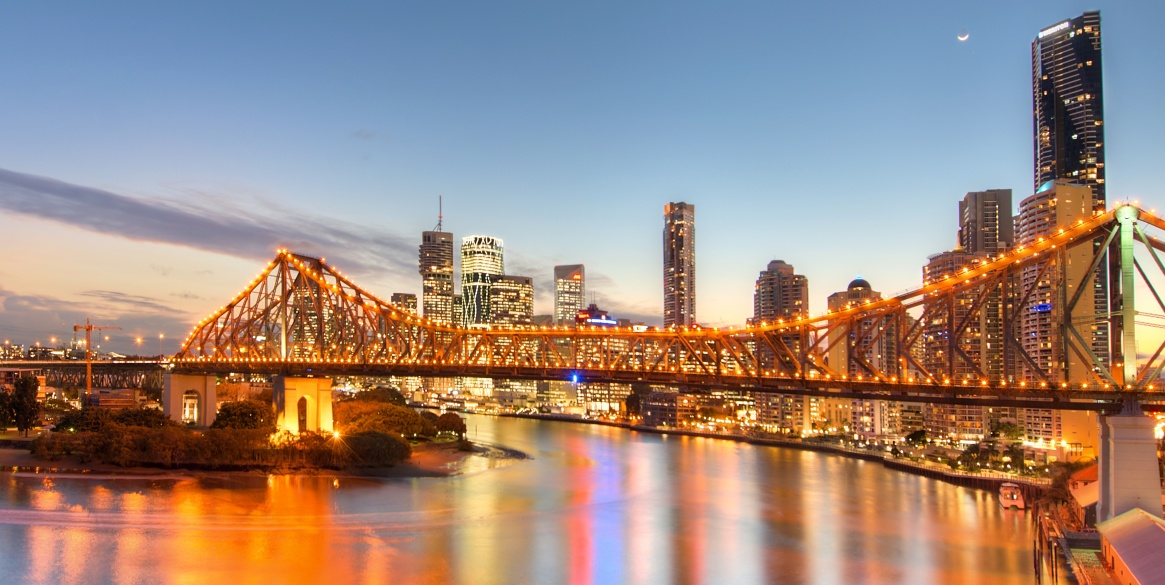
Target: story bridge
[(301, 317)]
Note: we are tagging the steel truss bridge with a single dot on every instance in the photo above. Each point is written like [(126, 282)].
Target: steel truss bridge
[(129, 373), (302, 317)]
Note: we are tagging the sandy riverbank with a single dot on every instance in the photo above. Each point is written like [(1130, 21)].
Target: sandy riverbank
[(428, 460)]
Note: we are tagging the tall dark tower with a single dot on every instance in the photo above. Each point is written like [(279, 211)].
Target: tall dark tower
[(679, 264), (1067, 94)]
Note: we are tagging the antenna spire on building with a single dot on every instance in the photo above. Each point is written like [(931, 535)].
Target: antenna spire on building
[(440, 214)]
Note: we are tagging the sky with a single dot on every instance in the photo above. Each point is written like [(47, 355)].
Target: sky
[(153, 156)]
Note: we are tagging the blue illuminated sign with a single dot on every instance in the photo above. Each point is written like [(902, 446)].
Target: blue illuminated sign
[(1042, 308)]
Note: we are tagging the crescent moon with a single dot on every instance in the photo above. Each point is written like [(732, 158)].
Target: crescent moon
[(963, 37)]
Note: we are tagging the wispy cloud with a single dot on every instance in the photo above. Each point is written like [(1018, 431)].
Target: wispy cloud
[(211, 222), (30, 318), (205, 222), (363, 135)]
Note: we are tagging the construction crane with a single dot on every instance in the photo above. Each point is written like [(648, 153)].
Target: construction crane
[(89, 327)]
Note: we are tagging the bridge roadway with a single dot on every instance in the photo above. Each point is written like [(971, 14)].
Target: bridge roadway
[(130, 373), (149, 374), (998, 395)]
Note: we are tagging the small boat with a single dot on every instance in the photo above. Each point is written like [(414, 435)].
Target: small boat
[(1010, 496)]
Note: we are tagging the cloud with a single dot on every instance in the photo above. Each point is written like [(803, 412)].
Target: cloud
[(207, 222), (27, 319), (363, 135)]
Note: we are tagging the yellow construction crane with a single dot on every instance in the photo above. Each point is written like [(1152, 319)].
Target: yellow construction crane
[(89, 327)]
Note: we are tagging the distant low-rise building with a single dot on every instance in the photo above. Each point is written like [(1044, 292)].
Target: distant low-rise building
[(667, 409)]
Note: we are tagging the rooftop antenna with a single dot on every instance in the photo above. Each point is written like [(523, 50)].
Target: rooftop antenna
[(440, 215)]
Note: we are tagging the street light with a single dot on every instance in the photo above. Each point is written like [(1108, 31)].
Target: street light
[(161, 336)]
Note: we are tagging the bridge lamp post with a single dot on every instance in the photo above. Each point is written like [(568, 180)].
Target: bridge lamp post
[(161, 336)]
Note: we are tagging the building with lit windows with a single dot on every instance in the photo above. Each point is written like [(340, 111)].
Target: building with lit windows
[(511, 300), (985, 222), (1068, 100), (570, 292), (953, 422), (679, 264), (869, 418), (1055, 206), (482, 263), (780, 293), (436, 267), (406, 301)]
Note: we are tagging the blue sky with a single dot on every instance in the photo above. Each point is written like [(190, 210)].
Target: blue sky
[(153, 155)]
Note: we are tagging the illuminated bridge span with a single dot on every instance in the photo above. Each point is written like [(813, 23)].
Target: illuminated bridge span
[(302, 317)]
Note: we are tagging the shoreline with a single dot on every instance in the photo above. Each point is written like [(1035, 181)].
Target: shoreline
[(428, 461), (1031, 487)]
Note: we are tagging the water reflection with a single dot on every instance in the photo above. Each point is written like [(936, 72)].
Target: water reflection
[(593, 505)]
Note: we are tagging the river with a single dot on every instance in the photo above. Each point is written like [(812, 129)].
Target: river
[(592, 504)]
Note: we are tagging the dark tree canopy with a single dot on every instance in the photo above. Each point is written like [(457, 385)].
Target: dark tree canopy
[(23, 404), (381, 394), (917, 437), (150, 418), (451, 423), (244, 414), (355, 416)]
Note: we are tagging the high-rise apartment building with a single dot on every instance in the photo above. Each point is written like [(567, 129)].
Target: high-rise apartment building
[(944, 359), (570, 291), (481, 264), (436, 264), (679, 264), (406, 301), (1051, 282), (1059, 206), (985, 222), (869, 418), (511, 300), (1068, 114), (781, 294)]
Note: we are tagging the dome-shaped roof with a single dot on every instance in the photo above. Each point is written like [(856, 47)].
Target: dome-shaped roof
[(859, 283)]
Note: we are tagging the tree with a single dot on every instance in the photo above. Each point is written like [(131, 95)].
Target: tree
[(382, 394), (373, 449), (1007, 430), (244, 414), (87, 420), (633, 402), (149, 418), (25, 408), (451, 423), (917, 438)]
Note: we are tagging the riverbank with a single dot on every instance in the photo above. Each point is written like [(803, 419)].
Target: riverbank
[(427, 460), (1032, 487)]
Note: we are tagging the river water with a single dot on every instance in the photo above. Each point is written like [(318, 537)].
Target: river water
[(593, 504)]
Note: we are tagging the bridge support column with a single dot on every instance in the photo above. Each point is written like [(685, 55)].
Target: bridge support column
[(302, 404), (1129, 476), (190, 398)]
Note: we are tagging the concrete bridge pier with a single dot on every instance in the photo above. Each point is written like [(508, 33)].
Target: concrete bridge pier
[(302, 404), (190, 398), (1129, 475)]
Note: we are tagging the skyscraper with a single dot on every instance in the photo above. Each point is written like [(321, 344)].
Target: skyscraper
[(406, 301), (481, 265), (869, 418), (436, 263), (1068, 116), (570, 291), (985, 222), (679, 264), (511, 300), (781, 294)]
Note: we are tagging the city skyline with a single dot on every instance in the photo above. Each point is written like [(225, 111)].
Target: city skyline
[(126, 178)]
